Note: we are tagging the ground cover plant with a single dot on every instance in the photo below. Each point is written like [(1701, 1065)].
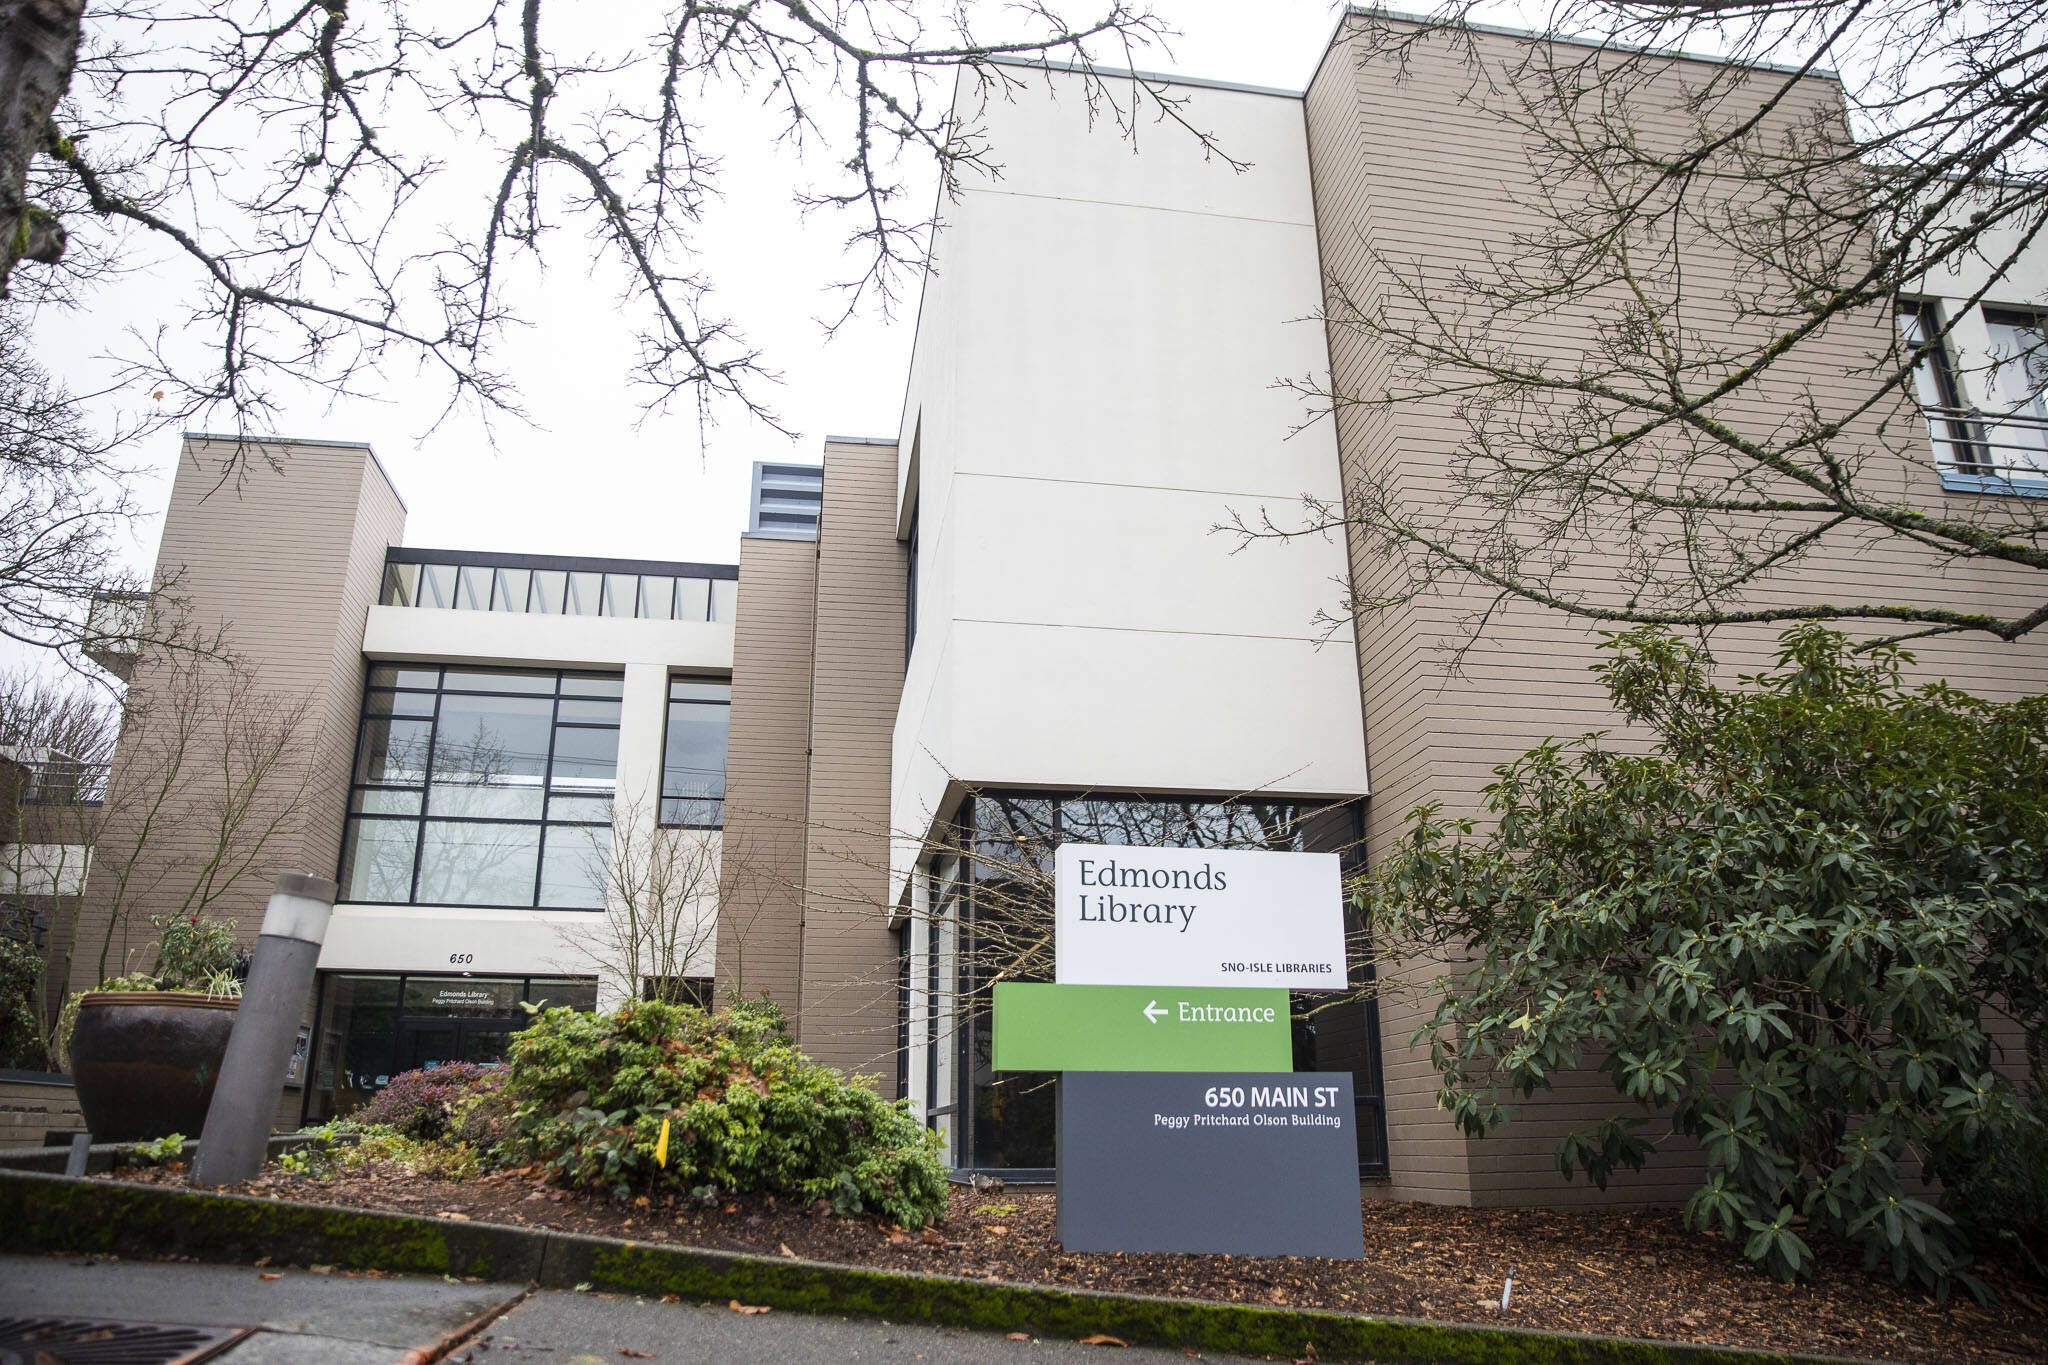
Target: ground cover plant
[(1807, 928)]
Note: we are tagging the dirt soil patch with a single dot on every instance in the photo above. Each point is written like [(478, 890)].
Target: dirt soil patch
[(1638, 1274)]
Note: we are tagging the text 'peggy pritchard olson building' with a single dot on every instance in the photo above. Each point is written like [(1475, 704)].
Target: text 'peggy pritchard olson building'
[(1007, 626)]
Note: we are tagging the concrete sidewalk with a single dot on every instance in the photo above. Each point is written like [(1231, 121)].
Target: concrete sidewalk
[(305, 1318)]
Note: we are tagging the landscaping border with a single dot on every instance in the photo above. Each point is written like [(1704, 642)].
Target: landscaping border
[(47, 1213)]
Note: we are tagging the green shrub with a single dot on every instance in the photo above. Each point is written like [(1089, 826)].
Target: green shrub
[(21, 973), (1786, 930), (747, 1112), (196, 954), (422, 1104)]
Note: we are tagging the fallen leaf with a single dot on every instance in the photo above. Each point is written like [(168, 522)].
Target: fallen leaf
[(636, 1355), (997, 1230), (261, 1261), (739, 1307), (1102, 1339), (451, 1213), (321, 1269), (1016, 1336), (783, 1247), (931, 1238), (269, 1275)]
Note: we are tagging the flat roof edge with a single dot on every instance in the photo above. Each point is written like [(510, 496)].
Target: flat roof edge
[(365, 446), (1538, 35), (1130, 73), (854, 441)]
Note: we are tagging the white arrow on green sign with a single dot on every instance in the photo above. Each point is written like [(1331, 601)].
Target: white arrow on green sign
[(1141, 1028)]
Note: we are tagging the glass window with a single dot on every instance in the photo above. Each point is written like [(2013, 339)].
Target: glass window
[(376, 862), (1957, 440), (694, 752), (381, 703), (585, 593), (593, 685), (572, 992), (621, 592), (472, 588), (512, 590), (569, 807), (2019, 376), (401, 585), (693, 599), (657, 598), (470, 862), (572, 873), (393, 752), (585, 759), (386, 801), (549, 587), (725, 599), (437, 585), (539, 683), (395, 675), (461, 789)]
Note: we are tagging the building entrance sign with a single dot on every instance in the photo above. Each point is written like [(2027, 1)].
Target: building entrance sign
[(1247, 1163), (1126, 916), (1182, 1126), (1140, 1028)]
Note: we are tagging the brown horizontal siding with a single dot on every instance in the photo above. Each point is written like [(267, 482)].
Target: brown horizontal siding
[(849, 954), (1408, 170), (760, 913), (281, 552)]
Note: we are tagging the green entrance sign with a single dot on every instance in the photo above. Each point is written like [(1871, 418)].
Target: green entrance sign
[(1141, 1028)]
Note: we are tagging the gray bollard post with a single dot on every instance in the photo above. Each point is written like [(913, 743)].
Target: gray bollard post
[(245, 1099), (81, 1154)]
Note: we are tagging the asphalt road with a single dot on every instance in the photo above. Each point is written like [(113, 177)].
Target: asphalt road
[(306, 1318)]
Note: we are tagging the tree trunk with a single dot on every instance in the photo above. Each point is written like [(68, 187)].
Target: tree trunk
[(38, 44)]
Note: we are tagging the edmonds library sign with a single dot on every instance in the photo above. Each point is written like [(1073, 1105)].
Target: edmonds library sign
[(1182, 1125)]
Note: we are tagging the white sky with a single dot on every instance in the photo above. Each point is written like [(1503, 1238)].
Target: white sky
[(588, 476)]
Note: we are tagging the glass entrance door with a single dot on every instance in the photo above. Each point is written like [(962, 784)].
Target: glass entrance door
[(436, 1042)]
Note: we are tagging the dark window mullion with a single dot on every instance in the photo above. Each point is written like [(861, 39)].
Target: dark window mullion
[(547, 792), (419, 845)]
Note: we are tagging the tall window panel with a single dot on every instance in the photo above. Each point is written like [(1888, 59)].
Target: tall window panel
[(693, 753), (1957, 438), (483, 787)]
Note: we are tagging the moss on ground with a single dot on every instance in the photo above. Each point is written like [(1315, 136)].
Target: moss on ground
[(44, 1213)]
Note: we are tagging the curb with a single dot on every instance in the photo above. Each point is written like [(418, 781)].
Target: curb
[(44, 1213)]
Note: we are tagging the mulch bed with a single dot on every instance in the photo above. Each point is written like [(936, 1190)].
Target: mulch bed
[(1639, 1274)]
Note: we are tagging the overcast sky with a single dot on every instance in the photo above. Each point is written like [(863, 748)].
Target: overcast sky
[(589, 476)]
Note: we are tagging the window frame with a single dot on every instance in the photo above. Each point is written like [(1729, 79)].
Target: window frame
[(668, 705), (562, 689)]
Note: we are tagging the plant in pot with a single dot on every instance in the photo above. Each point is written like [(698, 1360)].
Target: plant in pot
[(145, 1050)]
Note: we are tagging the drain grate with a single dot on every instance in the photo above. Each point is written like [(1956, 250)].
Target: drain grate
[(71, 1341)]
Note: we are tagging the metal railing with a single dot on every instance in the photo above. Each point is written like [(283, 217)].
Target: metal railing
[(2009, 446), (64, 782)]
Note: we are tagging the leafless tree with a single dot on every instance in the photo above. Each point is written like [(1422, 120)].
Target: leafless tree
[(660, 886), (349, 185), (58, 737), (212, 773), (1670, 388)]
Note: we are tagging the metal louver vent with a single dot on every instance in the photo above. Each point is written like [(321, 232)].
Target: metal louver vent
[(72, 1341)]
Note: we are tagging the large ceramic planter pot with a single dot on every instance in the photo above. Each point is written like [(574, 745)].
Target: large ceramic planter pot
[(145, 1062)]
